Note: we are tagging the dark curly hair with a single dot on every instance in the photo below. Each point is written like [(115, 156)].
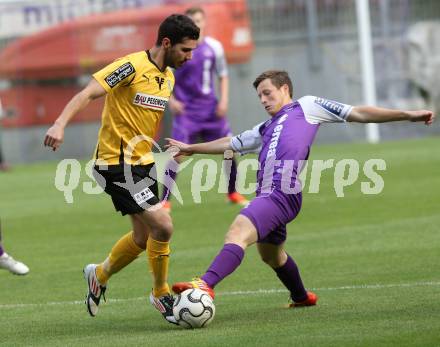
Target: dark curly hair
[(177, 27)]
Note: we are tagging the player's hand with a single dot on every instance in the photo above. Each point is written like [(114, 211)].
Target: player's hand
[(177, 148), (54, 136), (222, 109), (422, 116), (177, 107)]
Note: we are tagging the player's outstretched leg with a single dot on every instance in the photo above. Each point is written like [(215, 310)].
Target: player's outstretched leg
[(225, 263), (95, 289), (241, 234)]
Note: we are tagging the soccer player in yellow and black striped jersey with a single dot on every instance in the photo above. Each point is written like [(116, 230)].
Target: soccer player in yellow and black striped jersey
[(136, 88)]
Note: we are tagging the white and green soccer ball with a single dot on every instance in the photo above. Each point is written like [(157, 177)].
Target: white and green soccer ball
[(193, 308)]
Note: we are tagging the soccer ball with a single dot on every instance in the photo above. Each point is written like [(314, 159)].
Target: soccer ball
[(193, 308)]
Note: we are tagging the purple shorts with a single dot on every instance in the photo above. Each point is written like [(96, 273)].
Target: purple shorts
[(189, 131), (271, 213)]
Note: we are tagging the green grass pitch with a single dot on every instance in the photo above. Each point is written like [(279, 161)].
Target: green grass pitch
[(372, 259)]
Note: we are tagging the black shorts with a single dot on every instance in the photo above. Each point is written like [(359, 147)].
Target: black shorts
[(132, 195)]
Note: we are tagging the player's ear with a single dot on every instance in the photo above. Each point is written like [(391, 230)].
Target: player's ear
[(166, 42)]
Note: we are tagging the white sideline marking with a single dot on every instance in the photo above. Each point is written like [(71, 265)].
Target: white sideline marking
[(241, 292)]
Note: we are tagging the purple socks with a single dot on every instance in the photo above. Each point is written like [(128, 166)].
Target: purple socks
[(230, 258), (225, 263), (289, 275)]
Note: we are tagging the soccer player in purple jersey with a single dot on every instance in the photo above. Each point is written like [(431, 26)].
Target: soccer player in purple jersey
[(196, 110), (284, 139)]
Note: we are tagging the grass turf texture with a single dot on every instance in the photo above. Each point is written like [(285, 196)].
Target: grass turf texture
[(372, 259)]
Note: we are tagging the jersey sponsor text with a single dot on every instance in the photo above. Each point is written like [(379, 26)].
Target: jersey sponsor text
[(275, 136), (150, 101)]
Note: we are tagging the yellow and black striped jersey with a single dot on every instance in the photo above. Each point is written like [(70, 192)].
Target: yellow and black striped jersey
[(137, 94)]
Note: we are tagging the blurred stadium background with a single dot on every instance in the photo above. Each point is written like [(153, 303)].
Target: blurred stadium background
[(48, 49), (372, 259)]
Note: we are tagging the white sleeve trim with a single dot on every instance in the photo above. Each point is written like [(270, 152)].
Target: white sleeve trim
[(221, 66), (319, 110), (248, 141)]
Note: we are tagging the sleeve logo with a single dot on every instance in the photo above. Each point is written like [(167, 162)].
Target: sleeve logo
[(330, 106), (119, 74)]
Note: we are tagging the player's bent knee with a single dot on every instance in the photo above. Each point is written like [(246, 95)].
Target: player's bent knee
[(273, 262), (163, 228), (242, 232), (167, 228), (159, 223)]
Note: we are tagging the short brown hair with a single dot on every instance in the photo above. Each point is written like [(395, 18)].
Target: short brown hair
[(278, 79), (193, 10)]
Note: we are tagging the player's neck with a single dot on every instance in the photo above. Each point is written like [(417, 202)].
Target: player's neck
[(157, 55), (201, 36), (281, 106)]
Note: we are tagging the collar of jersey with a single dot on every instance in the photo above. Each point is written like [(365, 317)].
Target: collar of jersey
[(283, 110), (152, 61)]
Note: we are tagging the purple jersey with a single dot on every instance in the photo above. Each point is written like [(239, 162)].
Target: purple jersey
[(284, 141), (195, 80)]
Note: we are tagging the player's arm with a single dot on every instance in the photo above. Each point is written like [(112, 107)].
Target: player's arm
[(221, 67), (218, 146), (371, 114), (176, 107), (55, 135), (222, 107), (248, 141), (320, 110)]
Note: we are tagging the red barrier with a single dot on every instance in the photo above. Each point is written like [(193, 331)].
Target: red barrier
[(89, 43), (38, 105), (63, 53)]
